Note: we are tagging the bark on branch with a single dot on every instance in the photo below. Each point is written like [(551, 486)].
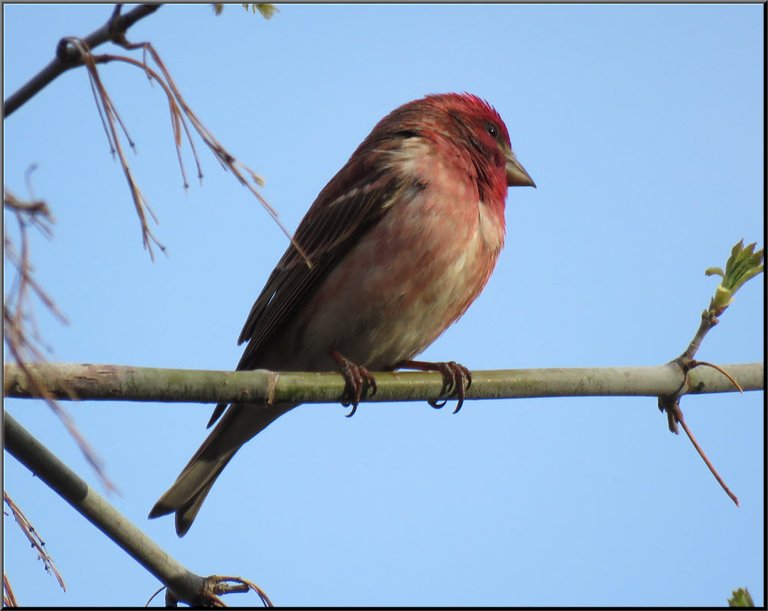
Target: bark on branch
[(125, 383), (183, 585), (30, 452)]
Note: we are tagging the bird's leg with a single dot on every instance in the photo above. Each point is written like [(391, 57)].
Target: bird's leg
[(456, 378), (358, 381)]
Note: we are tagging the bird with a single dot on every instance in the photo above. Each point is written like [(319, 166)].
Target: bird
[(393, 250)]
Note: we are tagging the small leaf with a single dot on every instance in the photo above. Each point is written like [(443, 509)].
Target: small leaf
[(266, 10), (714, 271), (735, 251), (743, 264), (741, 598)]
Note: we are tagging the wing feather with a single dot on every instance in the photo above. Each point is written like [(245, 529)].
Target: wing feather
[(349, 206), (333, 231)]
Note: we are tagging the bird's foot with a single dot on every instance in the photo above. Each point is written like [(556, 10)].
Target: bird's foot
[(358, 381), (456, 380)]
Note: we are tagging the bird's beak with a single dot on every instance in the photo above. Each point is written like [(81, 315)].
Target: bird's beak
[(516, 174)]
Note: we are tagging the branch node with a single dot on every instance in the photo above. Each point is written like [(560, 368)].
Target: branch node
[(67, 53), (271, 386)]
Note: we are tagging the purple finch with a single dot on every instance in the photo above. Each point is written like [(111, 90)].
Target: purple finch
[(401, 241)]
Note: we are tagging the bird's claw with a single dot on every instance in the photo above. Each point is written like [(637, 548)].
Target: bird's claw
[(357, 382), (456, 381)]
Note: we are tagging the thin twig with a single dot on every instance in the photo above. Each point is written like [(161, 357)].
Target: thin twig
[(20, 331), (73, 51), (151, 598), (708, 322), (34, 539), (66, 58), (221, 584), (742, 265), (9, 599), (112, 119), (721, 370), (228, 160), (706, 460)]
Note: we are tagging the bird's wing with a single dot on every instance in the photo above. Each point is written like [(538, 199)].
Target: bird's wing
[(355, 199), (330, 229)]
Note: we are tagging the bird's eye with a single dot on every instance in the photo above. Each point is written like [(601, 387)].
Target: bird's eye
[(492, 130)]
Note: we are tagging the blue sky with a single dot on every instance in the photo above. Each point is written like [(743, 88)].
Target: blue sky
[(642, 126)]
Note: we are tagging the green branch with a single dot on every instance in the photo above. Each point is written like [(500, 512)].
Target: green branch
[(125, 383), (30, 452), (183, 585)]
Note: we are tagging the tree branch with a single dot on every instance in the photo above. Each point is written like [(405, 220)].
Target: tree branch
[(183, 584), (125, 383), (20, 332), (743, 265), (68, 57)]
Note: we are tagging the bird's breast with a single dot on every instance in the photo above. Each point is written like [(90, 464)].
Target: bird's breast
[(404, 282)]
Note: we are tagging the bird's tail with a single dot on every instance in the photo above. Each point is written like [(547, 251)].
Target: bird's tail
[(185, 497)]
